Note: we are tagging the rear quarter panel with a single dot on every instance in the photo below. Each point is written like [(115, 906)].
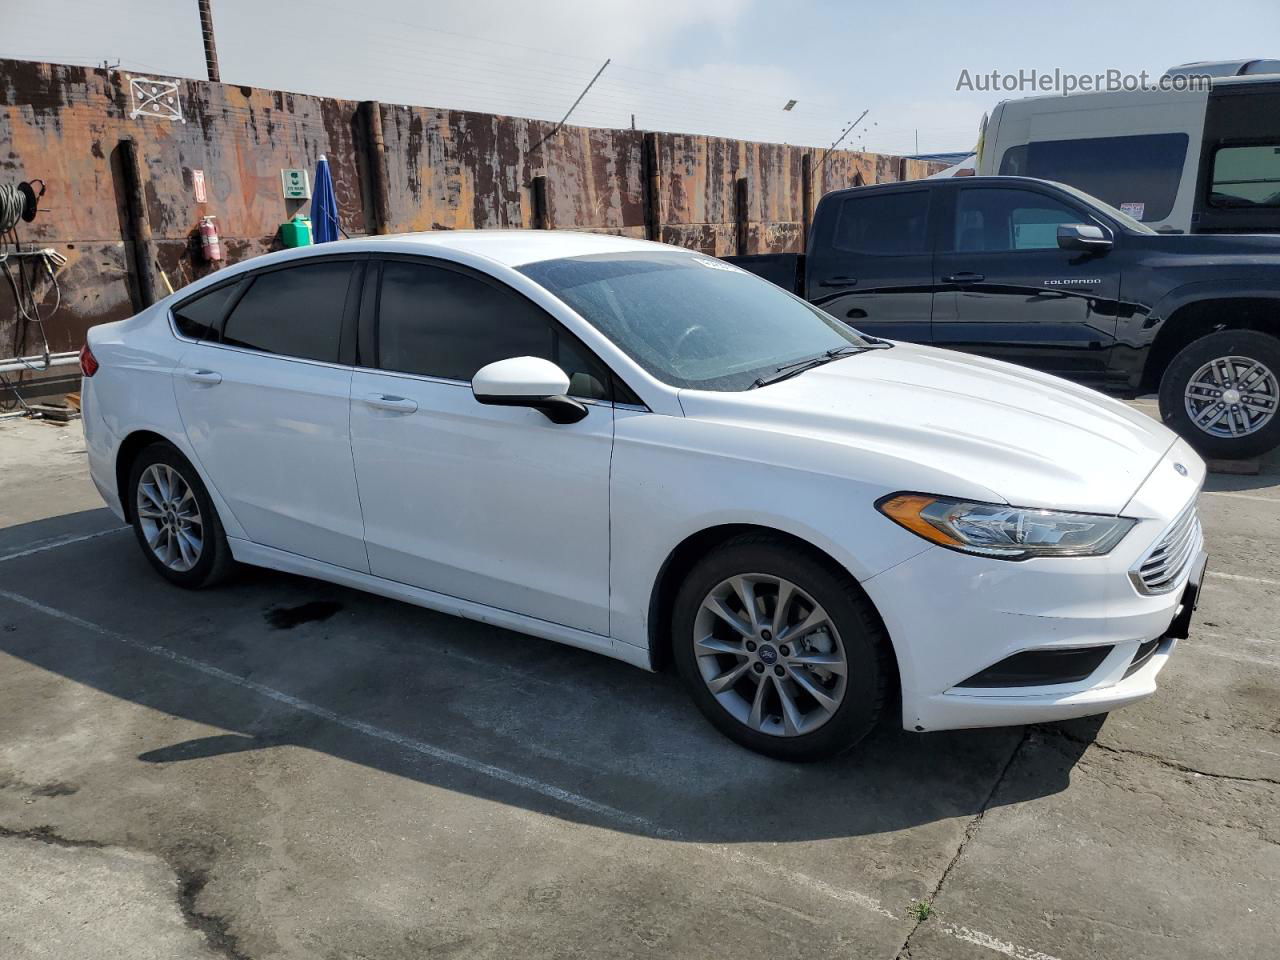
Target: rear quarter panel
[(133, 391)]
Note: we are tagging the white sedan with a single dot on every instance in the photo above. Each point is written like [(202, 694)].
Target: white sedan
[(648, 453)]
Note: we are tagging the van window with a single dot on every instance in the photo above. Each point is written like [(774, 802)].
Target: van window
[(1246, 176), (890, 224), (1138, 174)]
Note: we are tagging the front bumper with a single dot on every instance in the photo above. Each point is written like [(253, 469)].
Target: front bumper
[(953, 616)]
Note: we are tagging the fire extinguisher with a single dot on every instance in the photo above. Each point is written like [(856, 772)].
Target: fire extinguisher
[(210, 242)]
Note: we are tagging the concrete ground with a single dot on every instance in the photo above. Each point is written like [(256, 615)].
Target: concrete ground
[(284, 769)]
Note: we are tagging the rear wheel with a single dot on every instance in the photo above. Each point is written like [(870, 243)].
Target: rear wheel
[(174, 519), (1222, 393), (781, 653)]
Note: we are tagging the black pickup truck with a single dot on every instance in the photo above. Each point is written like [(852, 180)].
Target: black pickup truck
[(1040, 274)]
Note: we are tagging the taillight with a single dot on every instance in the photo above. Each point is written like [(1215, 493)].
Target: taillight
[(88, 362)]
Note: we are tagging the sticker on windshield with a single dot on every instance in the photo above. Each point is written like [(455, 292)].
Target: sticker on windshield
[(715, 264), (1135, 210)]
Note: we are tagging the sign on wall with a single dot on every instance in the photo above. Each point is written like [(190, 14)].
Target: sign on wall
[(197, 184), (155, 98), (297, 184)]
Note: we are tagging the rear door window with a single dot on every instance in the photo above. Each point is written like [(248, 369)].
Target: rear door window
[(889, 224), (293, 312), (439, 322)]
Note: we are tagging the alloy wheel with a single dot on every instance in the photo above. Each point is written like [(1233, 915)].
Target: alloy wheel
[(170, 517), (1232, 397), (770, 655)]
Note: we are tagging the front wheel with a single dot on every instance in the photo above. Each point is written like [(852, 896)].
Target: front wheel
[(1222, 393), (781, 653)]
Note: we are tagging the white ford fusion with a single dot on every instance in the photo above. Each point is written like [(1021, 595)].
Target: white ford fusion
[(648, 453)]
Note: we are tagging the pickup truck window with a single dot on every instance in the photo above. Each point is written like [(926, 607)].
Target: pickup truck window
[(691, 320), (1138, 174), (999, 220), (889, 224), (1246, 176)]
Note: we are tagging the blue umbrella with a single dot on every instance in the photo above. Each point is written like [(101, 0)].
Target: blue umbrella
[(324, 205)]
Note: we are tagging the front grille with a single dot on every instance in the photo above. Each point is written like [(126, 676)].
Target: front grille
[(1161, 569)]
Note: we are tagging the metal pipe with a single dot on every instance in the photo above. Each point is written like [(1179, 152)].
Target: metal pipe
[(37, 364), (210, 48)]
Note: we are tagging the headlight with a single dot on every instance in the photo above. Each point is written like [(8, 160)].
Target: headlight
[(997, 530)]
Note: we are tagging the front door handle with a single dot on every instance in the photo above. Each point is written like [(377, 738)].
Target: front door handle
[(203, 376), (839, 282), (963, 277), (386, 401)]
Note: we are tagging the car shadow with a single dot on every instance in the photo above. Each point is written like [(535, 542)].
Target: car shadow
[(272, 660)]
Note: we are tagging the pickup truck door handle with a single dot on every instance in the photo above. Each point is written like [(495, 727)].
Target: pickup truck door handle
[(839, 282), (210, 377), (386, 401), (963, 277)]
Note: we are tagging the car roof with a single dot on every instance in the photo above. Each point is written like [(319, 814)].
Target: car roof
[(511, 248)]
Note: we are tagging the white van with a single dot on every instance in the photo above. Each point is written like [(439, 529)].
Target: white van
[(1181, 161)]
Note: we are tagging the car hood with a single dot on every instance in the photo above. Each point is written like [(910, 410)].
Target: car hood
[(919, 414)]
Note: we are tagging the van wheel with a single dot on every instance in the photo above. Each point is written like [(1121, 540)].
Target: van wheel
[(781, 653), (1222, 393), (174, 520)]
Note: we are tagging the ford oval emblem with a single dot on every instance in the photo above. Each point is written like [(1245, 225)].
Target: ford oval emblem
[(1180, 468)]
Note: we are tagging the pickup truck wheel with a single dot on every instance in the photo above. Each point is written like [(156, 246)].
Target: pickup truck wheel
[(1222, 393)]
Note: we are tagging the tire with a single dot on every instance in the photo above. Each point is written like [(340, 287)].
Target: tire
[(1207, 365), (809, 731), (173, 530)]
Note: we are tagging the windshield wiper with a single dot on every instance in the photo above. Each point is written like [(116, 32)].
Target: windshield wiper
[(789, 370)]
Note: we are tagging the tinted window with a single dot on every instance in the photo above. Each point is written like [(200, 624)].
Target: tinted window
[(1002, 220), (690, 320), (442, 323), (1138, 174), (295, 312), (886, 223), (1246, 177), (198, 318)]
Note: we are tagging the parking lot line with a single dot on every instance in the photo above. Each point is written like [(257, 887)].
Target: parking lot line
[(1242, 579), (59, 542), (1239, 496), (839, 894), (358, 726)]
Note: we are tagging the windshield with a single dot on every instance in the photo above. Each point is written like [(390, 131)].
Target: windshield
[(1126, 221), (691, 320)]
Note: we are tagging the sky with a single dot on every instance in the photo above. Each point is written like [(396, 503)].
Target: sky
[(720, 67)]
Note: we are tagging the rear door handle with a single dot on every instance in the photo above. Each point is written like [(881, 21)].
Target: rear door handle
[(963, 277), (203, 376), (386, 401), (839, 282)]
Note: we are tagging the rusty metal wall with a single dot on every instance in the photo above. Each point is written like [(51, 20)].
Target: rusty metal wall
[(445, 169)]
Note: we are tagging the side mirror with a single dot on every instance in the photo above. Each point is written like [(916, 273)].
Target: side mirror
[(1083, 236), (528, 382)]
